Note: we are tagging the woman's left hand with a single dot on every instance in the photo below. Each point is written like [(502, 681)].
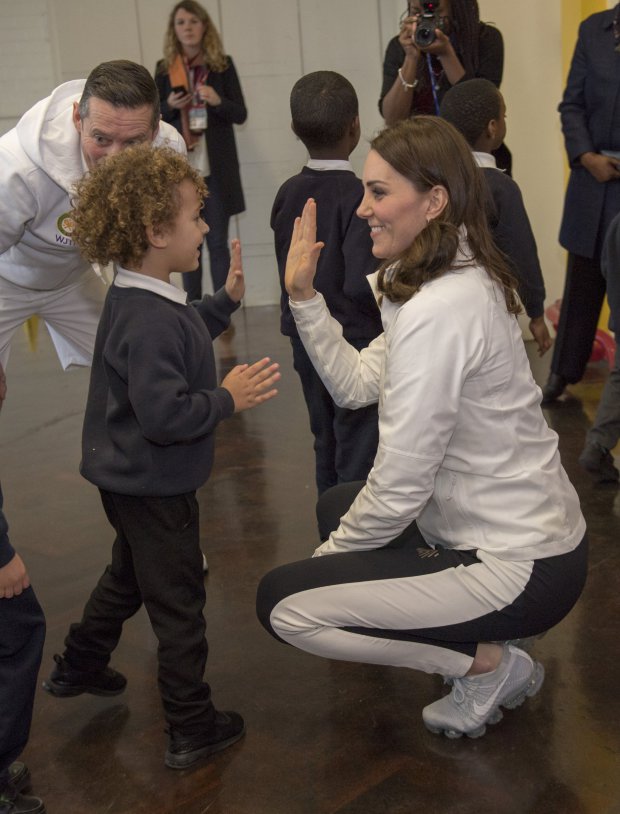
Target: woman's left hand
[(303, 255), (235, 282), (209, 96)]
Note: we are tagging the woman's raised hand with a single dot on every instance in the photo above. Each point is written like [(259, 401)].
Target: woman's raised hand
[(303, 255)]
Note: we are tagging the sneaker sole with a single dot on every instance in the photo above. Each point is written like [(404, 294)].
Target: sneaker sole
[(60, 691), (188, 759), (495, 716), (529, 691)]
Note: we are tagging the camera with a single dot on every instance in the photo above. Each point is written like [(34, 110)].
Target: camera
[(428, 22)]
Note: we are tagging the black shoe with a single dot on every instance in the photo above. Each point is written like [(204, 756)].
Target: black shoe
[(65, 681), (12, 802), (599, 462), (554, 388), (185, 750), (19, 776)]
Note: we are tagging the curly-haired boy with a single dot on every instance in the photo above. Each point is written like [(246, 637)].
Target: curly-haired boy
[(152, 409)]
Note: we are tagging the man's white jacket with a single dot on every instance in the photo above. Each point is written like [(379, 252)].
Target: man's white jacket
[(40, 161)]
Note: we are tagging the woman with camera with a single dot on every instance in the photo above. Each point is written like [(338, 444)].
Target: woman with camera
[(201, 96), (467, 532), (439, 44)]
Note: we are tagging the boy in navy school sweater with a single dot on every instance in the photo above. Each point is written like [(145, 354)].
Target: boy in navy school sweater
[(152, 410), (477, 109), (22, 634), (324, 110)]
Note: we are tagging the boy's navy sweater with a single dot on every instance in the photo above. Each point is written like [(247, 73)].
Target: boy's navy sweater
[(346, 259), (512, 233), (153, 402)]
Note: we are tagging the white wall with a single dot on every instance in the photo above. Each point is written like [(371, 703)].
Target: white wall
[(273, 42)]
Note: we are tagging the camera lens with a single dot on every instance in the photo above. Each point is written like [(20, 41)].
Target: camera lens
[(425, 34)]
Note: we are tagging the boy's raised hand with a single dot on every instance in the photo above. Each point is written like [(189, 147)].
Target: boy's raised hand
[(303, 255), (540, 332), (235, 282), (249, 385)]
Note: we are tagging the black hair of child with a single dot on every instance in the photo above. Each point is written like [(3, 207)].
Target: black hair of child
[(323, 105), (470, 106)]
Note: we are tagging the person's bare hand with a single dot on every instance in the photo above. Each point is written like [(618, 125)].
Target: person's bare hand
[(541, 335), (235, 281), (602, 167), (209, 95), (303, 255), (13, 578), (251, 385), (406, 36), (179, 100)]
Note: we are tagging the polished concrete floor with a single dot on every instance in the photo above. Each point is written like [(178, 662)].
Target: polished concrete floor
[(322, 737)]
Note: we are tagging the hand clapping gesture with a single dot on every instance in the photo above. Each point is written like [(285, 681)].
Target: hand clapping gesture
[(249, 384)]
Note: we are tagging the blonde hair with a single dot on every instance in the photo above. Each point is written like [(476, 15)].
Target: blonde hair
[(115, 202), (212, 48), (429, 151)]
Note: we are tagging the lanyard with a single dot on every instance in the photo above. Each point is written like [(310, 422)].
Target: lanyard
[(434, 83), (197, 75)]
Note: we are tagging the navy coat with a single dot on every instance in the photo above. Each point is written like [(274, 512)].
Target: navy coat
[(221, 145), (590, 114)]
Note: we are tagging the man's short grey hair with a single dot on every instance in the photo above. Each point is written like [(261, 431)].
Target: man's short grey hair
[(121, 83)]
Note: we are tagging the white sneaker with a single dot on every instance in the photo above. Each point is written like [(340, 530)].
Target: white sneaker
[(205, 564), (475, 701)]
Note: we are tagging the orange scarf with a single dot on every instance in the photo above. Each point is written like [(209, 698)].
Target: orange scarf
[(178, 74)]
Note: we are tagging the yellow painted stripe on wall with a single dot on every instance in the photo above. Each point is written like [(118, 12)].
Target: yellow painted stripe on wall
[(573, 12)]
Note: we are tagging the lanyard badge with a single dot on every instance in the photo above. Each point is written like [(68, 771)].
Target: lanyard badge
[(198, 109)]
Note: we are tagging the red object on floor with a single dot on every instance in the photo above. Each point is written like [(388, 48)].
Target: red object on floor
[(604, 345)]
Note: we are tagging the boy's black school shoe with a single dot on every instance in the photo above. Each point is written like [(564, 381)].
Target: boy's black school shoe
[(599, 462), (19, 776), (65, 681), (553, 389), (12, 802), (185, 750)]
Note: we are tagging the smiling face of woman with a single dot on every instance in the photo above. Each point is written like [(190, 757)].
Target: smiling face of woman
[(396, 212)]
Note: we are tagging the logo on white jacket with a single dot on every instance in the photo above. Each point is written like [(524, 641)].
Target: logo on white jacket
[(65, 225)]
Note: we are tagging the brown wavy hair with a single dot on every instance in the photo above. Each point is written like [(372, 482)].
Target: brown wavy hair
[(212, 48), (428, 152), (115, 202)]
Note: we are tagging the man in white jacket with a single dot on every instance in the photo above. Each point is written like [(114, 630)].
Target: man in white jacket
[(52, 146)]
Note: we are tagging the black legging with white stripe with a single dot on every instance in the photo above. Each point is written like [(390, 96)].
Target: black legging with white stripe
[(411, 605)]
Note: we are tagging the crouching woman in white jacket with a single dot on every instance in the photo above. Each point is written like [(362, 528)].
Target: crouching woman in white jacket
[(467, 532)]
